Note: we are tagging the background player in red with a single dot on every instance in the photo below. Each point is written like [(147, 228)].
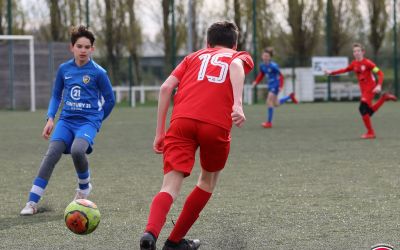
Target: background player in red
[(364, 69), (208, 100), (274, 83)]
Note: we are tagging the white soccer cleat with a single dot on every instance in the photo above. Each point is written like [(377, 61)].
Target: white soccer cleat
[(83, 194), (29, 209)]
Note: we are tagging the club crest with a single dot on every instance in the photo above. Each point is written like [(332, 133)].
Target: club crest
[(86, 79)]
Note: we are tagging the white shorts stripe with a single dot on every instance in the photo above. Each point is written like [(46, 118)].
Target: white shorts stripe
[(37, 190)]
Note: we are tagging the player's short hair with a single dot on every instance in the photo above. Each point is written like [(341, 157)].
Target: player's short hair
[(81, 31), (269, 50), (223, 33), (359, 45)]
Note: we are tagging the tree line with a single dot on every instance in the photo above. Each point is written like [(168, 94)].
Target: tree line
[(295, 28)]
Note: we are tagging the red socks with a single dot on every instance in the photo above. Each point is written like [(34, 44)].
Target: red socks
[(194, 204), (158, 212), (367, 123)]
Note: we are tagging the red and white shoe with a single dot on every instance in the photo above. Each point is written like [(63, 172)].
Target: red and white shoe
[(389, 97), (29, 209), (368, 135), (266, 125), (294, 100)]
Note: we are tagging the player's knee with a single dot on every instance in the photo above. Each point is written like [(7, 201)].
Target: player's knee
[(365, 109), (77, 152)]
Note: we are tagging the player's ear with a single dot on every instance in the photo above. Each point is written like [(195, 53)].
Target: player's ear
[(235, 47), (71, 47), (208, 45), (92, 48)]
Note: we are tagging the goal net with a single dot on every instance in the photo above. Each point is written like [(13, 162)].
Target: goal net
[(17, 72)]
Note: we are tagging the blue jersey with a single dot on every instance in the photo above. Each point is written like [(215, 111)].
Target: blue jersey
[(86, 92), (272, 71)]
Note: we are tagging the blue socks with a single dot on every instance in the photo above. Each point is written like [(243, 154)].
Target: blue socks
[(83, 180), (37, 189), (284, 99), (270, 114)]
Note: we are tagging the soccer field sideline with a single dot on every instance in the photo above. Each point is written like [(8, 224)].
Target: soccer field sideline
[(309, 182)]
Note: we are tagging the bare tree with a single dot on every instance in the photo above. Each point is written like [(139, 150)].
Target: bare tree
[(345, 16), (109, 41), (378, 18), (304, 21), (55, 20), (134, 40)]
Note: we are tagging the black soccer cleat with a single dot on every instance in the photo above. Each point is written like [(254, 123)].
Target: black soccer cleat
[(182, 245), (148, 242)]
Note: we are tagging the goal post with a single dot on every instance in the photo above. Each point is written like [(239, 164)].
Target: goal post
[(31, 64)]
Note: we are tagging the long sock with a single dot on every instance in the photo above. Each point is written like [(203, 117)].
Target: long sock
[(284, 99), (37, 190), (194, 204), (367, 123), (270, 114), (378, 103), (158, 213), (84, 180)]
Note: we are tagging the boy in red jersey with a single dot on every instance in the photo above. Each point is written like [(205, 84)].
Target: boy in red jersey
[(364, 69), (207, 102)]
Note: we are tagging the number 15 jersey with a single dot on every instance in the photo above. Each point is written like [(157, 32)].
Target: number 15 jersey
[(205, 89)]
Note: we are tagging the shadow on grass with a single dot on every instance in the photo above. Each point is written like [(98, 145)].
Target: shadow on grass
[(40, 217)]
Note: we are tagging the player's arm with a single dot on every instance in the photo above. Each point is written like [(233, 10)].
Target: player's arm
[(163, 104), (339, 71), (258, 79), (380, 75), (105, 87), (237, 75), (54, 103)]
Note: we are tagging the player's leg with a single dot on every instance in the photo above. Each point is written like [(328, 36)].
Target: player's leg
[(59, 143), (50, 159), (82, 145), (366, 113), (179, 154), (271, 102), (384, 97), (212, 139), (291, 96)]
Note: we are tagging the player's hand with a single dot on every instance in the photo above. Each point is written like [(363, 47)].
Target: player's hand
[(48, 128), (238, 117), (327, 72), (158, 144), (377, 89)]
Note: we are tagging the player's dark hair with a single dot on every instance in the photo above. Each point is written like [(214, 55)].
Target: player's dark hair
[(222, 33), (269, 50), (81, 31), (358, 45)]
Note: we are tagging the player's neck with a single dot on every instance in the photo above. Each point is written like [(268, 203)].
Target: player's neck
[(81, 63)]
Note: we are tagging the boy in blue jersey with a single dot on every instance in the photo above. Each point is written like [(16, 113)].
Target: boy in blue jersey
[(88, 99), (274, 84)]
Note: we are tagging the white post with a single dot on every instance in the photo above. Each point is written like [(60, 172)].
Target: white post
[(32, 69)]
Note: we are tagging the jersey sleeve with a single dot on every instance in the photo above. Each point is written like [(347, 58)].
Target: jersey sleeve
[(372, 66), (248, 63), (105, 87), (344, 70), (180, 70), (56, 94)]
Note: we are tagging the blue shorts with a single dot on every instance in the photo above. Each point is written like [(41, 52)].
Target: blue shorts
[(274, 89), (67, 131)]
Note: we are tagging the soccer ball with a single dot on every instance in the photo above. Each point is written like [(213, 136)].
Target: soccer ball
[(82, 216)]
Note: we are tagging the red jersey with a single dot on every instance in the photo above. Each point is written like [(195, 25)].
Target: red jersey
[(363, 70), (205, 90)]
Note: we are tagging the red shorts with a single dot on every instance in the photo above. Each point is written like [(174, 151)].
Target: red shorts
[(183, 138)]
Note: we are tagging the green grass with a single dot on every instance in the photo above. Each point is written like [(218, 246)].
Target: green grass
[(308, 183)]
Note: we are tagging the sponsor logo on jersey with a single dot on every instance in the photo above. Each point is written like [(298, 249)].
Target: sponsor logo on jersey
[(86, 79), (362, 67)]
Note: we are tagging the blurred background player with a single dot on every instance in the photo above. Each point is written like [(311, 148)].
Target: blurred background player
[(274, 83), (82, 84), (364, 69), (209, 99)]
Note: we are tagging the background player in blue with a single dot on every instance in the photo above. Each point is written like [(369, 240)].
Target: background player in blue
[(88, 99), (274, 84)]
